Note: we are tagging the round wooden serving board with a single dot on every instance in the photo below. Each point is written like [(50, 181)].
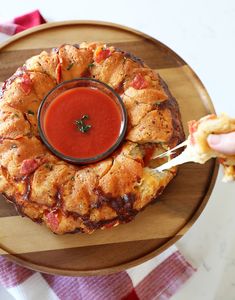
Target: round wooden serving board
[(158, 226)]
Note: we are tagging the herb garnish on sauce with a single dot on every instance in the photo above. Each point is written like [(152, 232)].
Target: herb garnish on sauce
[(80, 123)]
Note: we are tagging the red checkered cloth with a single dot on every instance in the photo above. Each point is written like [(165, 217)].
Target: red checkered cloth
[(157, 279), (21, 23)]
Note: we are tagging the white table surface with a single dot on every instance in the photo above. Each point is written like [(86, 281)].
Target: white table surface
[(202, 32)]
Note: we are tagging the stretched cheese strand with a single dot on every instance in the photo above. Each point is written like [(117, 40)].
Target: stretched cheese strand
[(170, 151), (178, 160), (198, 150), (188, 155)]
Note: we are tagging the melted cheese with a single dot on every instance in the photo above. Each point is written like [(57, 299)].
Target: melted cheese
[(190, 154)]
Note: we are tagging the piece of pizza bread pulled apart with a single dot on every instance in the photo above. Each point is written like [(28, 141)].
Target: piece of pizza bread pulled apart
[(198, 147)]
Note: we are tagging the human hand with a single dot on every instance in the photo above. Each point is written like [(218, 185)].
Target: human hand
[(223, 143)]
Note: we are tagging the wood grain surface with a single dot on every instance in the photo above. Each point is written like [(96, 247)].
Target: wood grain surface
[(159, 225)]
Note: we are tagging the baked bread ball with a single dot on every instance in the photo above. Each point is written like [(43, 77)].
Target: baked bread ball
[(75, 198)]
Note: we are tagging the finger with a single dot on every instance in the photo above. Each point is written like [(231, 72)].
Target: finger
[(224, 143)]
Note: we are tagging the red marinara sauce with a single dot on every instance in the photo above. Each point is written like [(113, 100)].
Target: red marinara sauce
[(82, 122)]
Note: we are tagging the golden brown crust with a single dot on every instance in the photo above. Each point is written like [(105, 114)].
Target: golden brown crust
[(14, 152), (73, 61), (44, 63), (110, 71), (12, 123), (156, 126), (47, 180), (70, 198)]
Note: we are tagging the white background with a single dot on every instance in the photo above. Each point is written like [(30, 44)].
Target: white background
[(203, 34)]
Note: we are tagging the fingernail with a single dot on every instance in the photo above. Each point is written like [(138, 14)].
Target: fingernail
[(214, 139)]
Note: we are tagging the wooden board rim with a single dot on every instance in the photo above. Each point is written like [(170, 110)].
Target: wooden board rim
[(190, 222), (85, 22)]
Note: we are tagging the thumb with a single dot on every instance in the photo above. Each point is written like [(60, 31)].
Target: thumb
[(223, 143)]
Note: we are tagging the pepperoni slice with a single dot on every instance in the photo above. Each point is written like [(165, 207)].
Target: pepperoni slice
[(28, 166), (53, 219), (58, 73), (192, 125), (139, 82), (102, 55), (111, 224), (26, 83)]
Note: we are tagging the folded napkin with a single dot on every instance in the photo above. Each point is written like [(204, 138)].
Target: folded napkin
[(158, 279), (21, 23)]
